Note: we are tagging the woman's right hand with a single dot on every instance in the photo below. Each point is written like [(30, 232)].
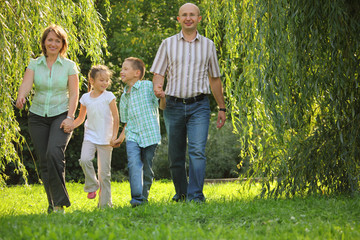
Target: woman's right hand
[(20, 102), (25, 88)]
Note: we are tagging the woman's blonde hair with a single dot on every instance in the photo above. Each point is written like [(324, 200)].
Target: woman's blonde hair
[(97, 69), (60, 32)]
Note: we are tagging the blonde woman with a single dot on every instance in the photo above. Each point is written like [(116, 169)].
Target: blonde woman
[(56, 83)]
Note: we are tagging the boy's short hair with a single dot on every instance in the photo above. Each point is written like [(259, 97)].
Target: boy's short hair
[(137, 64)]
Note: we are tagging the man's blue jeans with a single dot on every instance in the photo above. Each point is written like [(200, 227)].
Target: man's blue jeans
[(187, 123), (140, 171)]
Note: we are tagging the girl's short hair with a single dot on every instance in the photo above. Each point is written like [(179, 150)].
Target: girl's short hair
[(60, 32), (137, 64), (94, 70)]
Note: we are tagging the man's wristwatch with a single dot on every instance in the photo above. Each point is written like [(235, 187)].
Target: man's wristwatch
[(222, 109)]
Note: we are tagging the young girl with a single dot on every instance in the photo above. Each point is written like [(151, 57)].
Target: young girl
[(101, 128)]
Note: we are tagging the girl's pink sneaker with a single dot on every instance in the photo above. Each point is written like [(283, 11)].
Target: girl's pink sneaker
[(91, 195)]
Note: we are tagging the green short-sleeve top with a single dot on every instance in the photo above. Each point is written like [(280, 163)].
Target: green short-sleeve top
[(51, 96)]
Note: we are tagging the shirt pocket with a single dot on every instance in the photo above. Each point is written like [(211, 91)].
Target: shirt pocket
[(60, 80)]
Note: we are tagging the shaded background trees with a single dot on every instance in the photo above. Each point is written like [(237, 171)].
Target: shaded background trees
[(290, 71)]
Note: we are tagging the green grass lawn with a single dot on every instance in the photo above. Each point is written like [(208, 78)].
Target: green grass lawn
[(231, 212)]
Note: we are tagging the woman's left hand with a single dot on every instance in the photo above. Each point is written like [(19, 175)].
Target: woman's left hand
[(67, 125)]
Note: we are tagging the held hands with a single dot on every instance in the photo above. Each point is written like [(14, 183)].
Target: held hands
[(67, 125), (158, 90), (117, 142), (113, 141), (159, 93)]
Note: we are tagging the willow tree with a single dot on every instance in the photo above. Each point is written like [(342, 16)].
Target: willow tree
[(291, 71), (21, 26)]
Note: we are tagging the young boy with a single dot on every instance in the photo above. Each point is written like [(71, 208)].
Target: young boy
[(139, 112)]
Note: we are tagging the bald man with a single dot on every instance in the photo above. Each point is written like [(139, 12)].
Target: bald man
[(190, 62)]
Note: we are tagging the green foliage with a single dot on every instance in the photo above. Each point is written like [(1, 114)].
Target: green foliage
[(222, 152), (291, 70), (161, 162), (136, 28), (222, 155), (231, 212), (22, 23)]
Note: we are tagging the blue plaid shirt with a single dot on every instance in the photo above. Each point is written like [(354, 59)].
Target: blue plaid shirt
[(139, 109)]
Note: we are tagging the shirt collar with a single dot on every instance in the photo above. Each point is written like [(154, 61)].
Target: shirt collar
[(136, 86), (43, 59), (181, 36)]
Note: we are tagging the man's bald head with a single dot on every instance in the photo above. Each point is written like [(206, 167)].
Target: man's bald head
[(189, 5)]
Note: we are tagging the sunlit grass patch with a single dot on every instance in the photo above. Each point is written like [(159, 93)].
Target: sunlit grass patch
[(231, 211)]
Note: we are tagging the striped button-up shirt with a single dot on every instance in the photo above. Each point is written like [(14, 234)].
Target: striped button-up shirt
[(187, 65), (139, 109)]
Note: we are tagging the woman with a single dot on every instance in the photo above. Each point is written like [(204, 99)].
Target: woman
[(52, 111)]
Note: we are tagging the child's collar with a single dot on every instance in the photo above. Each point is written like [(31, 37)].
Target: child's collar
[(136, 86)]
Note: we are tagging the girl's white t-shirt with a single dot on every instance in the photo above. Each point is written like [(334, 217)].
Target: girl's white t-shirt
[(99, 121)]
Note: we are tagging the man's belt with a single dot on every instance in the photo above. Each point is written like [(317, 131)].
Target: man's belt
[(189, 100)]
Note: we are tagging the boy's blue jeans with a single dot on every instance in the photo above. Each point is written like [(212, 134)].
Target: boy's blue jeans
[(140, 170), (187, 124)]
